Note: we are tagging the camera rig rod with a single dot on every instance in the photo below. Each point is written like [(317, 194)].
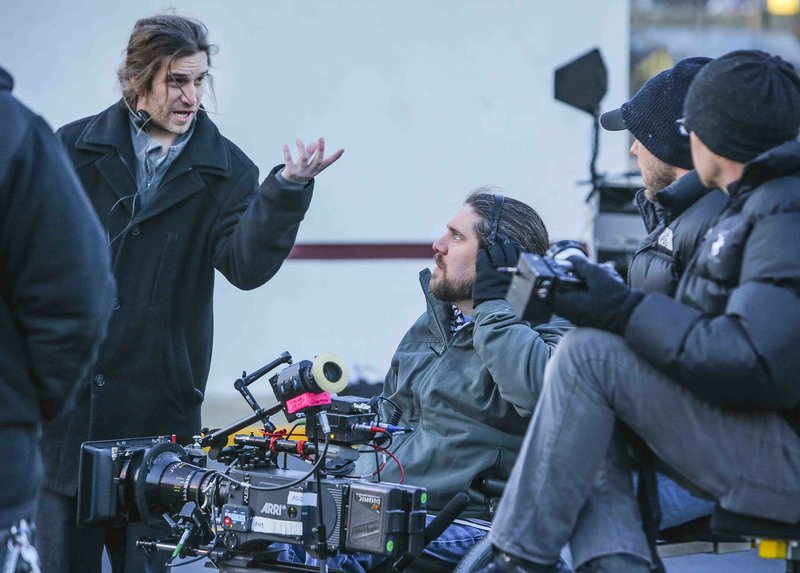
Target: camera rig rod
[(219, 438), (299, 447), (284, 358), (149, 544)]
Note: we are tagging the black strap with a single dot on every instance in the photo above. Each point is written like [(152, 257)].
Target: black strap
[(647, 495)]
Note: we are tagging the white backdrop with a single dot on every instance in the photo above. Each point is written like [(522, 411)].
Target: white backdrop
[(429, 98)]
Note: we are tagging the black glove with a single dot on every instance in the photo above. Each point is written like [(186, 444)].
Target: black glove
[(491, 284), (606, 303)]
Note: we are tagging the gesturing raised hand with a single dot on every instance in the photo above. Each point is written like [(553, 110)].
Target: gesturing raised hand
[(310, 161)]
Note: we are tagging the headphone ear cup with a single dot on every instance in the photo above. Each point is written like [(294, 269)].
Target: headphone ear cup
[(503, 252), (502, 238)]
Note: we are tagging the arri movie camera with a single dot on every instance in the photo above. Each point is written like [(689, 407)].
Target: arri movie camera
[(233, 509)]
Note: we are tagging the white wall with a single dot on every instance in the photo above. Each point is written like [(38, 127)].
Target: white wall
[(430, 99)]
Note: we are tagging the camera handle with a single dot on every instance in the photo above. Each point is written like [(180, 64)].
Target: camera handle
[(242, 383)]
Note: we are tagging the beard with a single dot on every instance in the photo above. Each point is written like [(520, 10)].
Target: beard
[(450, 290), (658, 178)]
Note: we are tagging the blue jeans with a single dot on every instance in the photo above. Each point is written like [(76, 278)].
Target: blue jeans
[(572, 480), (449, 547), (678, 505)]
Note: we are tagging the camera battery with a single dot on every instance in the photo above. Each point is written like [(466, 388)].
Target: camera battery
[(384, 518)]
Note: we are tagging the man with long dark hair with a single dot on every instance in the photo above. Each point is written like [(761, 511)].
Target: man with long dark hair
[(178, 201)]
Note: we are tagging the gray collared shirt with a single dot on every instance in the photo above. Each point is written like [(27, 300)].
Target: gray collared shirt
[(151, 166)]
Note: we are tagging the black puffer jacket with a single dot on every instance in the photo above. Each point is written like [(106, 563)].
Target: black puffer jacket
[(731, 336), (676, 224), (55, 293)]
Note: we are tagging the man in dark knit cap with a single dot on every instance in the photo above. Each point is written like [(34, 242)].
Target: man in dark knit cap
[(709, 380), (676, 208)]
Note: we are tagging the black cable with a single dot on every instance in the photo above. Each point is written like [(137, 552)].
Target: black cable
[(397, 414), (595, 149), (294, 427), (318, 478), (288, 436), (377, 465), (320, 459), (139, 186), (593, 161), (109, 240), (319, 509), (396, 407)]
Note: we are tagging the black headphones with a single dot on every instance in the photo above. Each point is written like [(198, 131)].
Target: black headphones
[(498, 208), (140, 119)]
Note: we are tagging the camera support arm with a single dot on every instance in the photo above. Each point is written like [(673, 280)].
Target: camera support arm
[(217, 439), (242, 383)]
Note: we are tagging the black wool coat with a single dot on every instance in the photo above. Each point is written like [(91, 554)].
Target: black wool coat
[(209, 213)]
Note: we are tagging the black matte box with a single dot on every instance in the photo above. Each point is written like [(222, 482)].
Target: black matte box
[(97, 494), (99, 484)]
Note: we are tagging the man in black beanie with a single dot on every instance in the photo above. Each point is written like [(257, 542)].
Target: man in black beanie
[(675, 206), (744, 105), (709, 380), (677, 210)]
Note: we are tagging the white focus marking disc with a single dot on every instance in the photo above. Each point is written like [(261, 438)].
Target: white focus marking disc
[(323, 368)]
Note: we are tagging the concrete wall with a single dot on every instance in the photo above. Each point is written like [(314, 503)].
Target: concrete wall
[(430, 99)]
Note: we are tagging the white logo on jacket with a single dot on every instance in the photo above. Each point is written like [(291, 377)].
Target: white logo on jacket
[(717, 245), (665, 239)]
